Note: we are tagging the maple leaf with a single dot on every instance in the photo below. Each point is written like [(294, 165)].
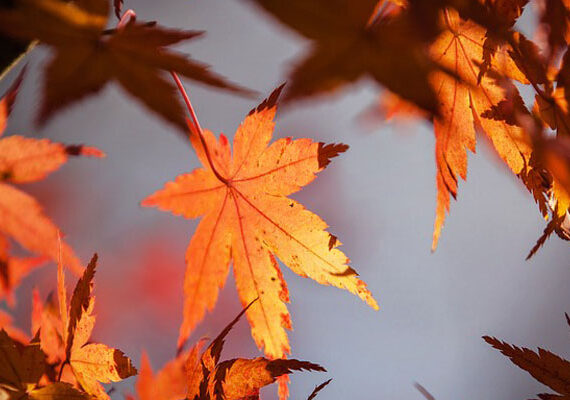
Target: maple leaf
[(14, 269), (248, 218), (168, 384), (548, 178), (87, 56), (47, 321), (479, 96), (24, 160), (21, 370), (544, 366), (15, 333), (474, 102), (556, 156), (553, 156), (239, 378), (199, 367), (352, 40), (91, 363), (242, 378)]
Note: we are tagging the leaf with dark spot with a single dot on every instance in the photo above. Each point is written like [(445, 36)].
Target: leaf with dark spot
[(248, 218)]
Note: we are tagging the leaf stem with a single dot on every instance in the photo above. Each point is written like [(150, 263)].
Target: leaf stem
[(61, 370), (130, 15), (197, 128)]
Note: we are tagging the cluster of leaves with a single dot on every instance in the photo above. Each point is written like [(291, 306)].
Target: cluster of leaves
[(24, 160), (36, 369), (544, 366), (203, 376), (457, 63), (62, 335)]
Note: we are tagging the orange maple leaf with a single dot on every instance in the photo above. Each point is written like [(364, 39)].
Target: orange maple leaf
[(554, 153), (47, 322), (167, 384), (484, 99), (14, 269), (551, 185), (248, 218), (24, 160), (91, 363), (15, 333), (239, 378), (471, 103)]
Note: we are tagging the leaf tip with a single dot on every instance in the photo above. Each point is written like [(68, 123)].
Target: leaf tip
[(349, 271), (123, 365), (328, 151), (270, 101), (87, 151), (318, 388)]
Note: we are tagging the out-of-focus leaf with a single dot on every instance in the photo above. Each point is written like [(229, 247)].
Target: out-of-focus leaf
[(87, 57)]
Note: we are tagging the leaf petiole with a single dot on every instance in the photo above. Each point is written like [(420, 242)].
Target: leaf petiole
[(61, 370), (197, 128), (130, 16)]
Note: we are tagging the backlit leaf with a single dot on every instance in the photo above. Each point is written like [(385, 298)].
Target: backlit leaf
[(248, 218)]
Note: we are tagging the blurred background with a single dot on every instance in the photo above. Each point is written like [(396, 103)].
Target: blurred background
[(378, 198)]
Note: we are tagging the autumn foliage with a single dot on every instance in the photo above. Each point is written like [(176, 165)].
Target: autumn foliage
[(249, 219), (461, 66)]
